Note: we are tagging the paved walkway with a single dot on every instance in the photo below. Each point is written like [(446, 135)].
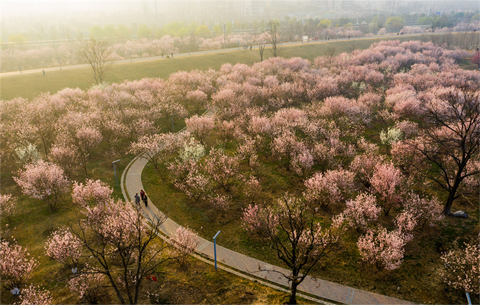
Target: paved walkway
[(131, 183)]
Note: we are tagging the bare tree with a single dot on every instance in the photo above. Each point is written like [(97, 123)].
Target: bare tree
[(330, 54), (273, 28), (97, 53), (261, 48)]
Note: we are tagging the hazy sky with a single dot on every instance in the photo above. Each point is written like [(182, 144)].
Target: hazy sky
[(26, 7)]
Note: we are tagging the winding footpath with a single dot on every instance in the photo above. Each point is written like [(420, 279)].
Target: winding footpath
[(318, 290)]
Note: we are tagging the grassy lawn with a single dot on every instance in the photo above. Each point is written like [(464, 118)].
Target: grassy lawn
[(31, 85)]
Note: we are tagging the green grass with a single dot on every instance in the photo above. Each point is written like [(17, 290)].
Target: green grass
[(31, 85)]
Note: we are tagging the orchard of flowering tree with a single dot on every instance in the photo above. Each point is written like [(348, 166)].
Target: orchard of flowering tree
[(348, 168)]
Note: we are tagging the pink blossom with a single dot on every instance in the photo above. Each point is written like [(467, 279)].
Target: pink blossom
[(196, 185), (222, 168), (15, 266), (423, 210), (289, 227), (8, 205), (90, 193), (382, 248), (44, 181), (405, 223), (64, 247), (65, 156), (86, 285), (387, 183), (329, 187), (462, 268), (114, 222), (185, 241), (358, 212), (220, 201), (33, 295), (200, 127)]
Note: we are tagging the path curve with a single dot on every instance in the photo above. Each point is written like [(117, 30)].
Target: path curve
[(131, 183)]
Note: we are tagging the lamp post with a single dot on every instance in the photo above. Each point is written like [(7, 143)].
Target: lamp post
[(115, 171), (468, 297), (215, 248)]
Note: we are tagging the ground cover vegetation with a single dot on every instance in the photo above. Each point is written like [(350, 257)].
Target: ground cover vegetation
[(372, 148), (360, 154)]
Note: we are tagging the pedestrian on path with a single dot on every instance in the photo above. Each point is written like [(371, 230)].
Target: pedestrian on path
[(145, 199), (142, 194), (137, 199)]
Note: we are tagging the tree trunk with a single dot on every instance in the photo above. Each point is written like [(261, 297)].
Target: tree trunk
[(448, 205), (452, 192), (293, 293)]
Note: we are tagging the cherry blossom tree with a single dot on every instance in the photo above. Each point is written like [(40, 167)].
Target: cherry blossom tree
[(462, 268), (290, 228), (386, 183), (382, 248), (198, 99), (120, 246), (424, 210), (86, 139), (364, 166), (329, 187), (64, 247), (91, 193), (359, 212), (15, 265), (222, 168), (252, 188), (294, 154), (88, 286), (34, 295), (66, 156), (8, 205), (196, 185), (44, 181), (184, 241), (200, 126)]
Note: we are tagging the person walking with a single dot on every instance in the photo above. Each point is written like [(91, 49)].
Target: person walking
[(137, 199), (145, 199), (142, 194)]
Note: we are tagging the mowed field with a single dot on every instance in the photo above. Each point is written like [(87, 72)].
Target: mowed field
[(30, 85)]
